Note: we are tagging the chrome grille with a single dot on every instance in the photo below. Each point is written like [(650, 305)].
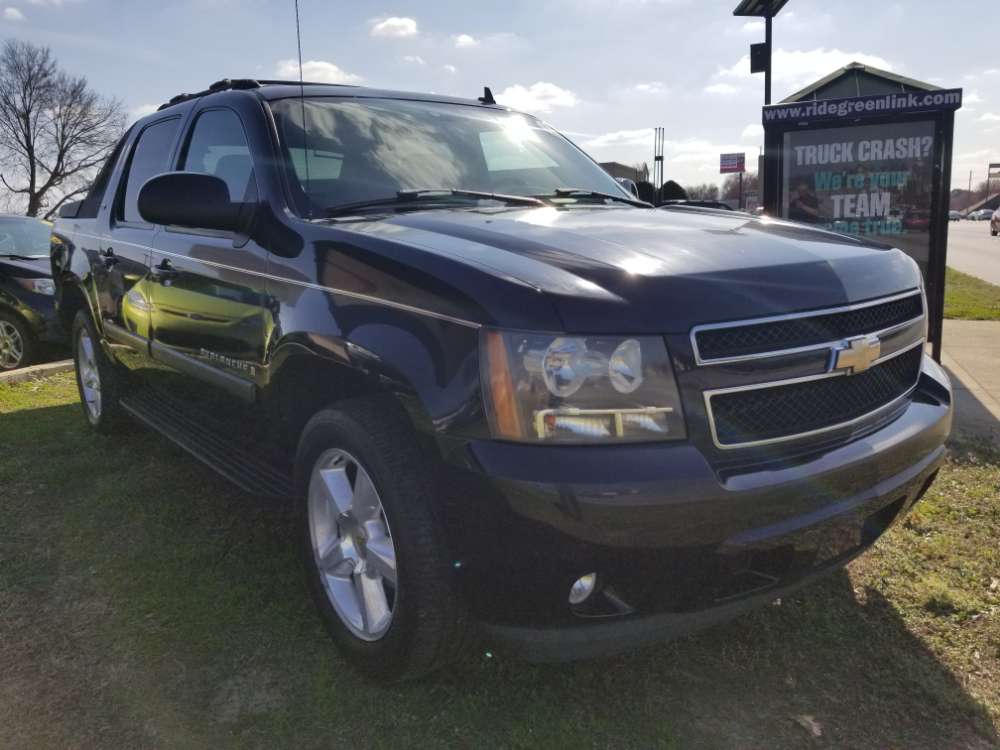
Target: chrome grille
[(729, 341), (799, 408), (877, 346)]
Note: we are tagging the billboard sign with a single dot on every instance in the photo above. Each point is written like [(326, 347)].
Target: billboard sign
[(879, 105), (732, 163), (873, 181)]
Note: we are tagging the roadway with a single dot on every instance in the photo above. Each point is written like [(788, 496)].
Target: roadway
[(972, 250)]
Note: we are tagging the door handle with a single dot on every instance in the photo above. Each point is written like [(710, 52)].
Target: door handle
[(109, 258), (164, 270)]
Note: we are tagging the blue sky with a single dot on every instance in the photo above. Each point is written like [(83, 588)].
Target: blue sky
[(605, 71)]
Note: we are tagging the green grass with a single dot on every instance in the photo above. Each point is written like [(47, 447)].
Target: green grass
[(145, 603), (969, 298)]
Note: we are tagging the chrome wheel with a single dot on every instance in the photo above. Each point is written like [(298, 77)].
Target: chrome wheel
[(352, 544), (11, 346), (90, 376)]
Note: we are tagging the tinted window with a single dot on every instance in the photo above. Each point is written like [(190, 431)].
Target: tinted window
[(150, 158), (218, 146), (346, 150), (92, 203)]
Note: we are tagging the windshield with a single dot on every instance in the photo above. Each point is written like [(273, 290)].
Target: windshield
[(360, 150), (24, 236)]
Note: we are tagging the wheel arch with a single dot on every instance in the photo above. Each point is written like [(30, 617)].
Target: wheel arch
[(304, 379)]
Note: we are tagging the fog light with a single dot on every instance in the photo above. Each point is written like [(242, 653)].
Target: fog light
[(582, 588)]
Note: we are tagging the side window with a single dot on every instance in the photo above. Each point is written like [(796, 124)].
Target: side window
[(218, 146), (92, 203), (150, 157)]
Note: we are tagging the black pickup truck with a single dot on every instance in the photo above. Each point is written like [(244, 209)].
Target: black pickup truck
[(508, 399)]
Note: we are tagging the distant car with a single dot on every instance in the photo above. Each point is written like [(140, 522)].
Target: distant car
[(995, 223), (954, 216), (983, 214), (697, 204), (27, 310)]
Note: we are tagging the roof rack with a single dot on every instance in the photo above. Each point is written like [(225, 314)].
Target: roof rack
[(240, 84), (226, 84)]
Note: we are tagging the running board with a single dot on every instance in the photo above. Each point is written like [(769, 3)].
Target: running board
[(198, 434)]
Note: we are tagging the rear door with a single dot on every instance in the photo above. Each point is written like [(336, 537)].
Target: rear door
[(212, 316), (126, 245)]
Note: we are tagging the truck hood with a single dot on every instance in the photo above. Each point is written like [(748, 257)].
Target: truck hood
[(621, 269)]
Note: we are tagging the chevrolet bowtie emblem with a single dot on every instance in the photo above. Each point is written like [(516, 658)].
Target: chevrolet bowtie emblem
[(857, 355)]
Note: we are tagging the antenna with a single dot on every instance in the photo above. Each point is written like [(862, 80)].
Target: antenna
[(302, 102), (487, 97)]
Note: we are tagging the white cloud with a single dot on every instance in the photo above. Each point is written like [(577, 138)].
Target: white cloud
[(752, 132), (972, 97), (12, 14), (48, 3), (651, 87), (989, 117), (640, 137), (142, 110), (464, 40), (794, 69), (753, 27), (414, 60), (724, 89), (395, 26), (538, 97), (450, 68), (320, 71)]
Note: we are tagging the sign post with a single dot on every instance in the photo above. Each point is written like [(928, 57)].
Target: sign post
[(734, 164), (877, 167)]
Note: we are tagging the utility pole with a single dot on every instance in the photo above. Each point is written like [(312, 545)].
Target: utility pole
[(760, 57), (760, 54), (767, 71)]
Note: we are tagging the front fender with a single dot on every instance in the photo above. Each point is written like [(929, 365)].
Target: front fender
[(431, 365)]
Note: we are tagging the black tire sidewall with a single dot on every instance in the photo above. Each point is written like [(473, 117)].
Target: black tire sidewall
[(421, 561), (110, 418), (28, 344)]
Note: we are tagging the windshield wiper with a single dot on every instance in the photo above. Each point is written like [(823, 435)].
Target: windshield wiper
[(16, 256), (407, 197), (583, 193)]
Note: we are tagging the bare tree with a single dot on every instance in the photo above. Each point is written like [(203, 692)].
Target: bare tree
[(731, 186), (703, 192), (54, 129)]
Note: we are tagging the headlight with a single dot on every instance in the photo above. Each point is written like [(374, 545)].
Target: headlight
[(38, 286), (579, 389)]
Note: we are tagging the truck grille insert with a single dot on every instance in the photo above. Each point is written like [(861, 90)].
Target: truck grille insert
[(793, 410), (792, 333)]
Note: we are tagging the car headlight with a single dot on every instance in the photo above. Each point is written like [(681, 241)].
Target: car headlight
[(549, 388), (38, 286)]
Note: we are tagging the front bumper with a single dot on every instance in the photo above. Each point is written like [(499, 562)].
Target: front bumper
[(675, 543)]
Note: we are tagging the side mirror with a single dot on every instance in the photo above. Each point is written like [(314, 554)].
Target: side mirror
[(70, 210), (191, 199)]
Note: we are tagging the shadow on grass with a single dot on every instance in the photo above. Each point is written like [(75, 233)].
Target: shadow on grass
[(151, 604)]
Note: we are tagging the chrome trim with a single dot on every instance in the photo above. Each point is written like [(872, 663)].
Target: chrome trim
[(792, 381), (794, 316), (306, 284)]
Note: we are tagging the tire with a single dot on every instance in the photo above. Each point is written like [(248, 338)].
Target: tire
[(101, 409), (17, 343), (427, 624)]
